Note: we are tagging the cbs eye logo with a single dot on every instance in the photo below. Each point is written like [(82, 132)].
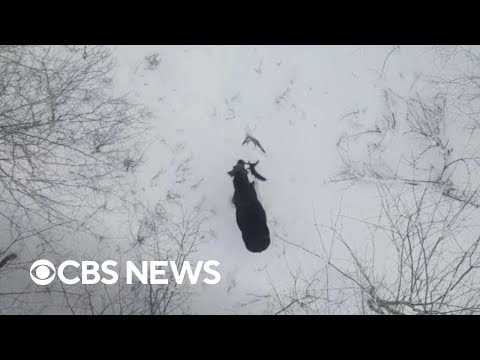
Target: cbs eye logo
[(40, 272)]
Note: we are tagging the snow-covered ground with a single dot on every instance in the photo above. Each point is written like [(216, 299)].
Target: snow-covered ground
[(297, 101)]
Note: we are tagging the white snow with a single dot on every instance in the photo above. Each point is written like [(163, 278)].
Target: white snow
[(296, 101)]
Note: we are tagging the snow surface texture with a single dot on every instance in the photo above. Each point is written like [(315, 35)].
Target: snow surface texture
[(332, 120), (298, 101)]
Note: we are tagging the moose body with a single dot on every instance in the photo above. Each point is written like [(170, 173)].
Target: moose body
[(251, 217)]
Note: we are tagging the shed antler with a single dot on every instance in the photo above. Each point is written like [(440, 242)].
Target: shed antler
[(255, 142)]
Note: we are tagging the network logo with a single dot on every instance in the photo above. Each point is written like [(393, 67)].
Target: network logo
[(42, 272)]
